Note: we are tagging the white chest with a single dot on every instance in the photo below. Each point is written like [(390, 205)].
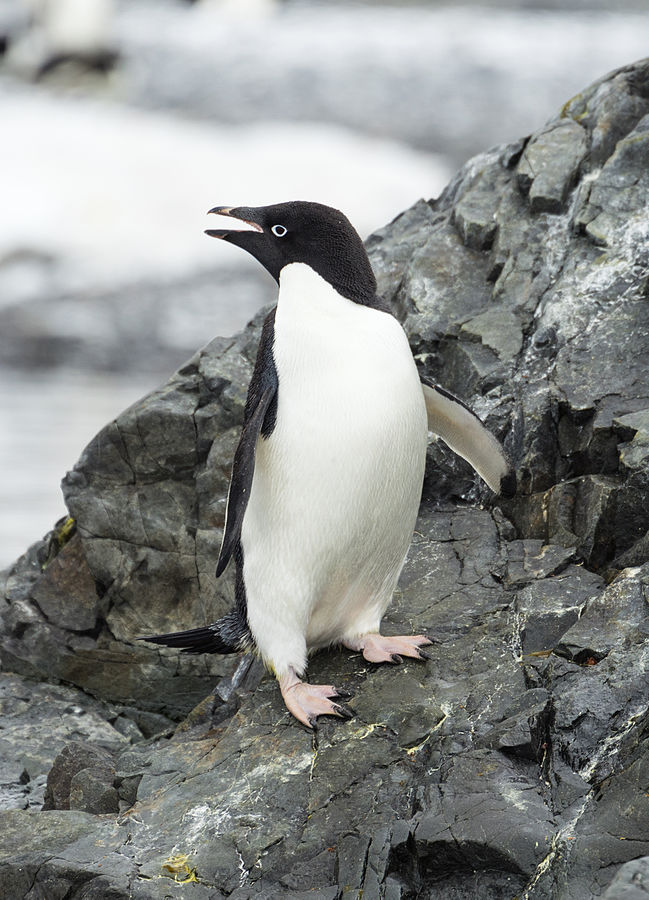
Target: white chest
[(338, 359), (337, 484), (349, 443)]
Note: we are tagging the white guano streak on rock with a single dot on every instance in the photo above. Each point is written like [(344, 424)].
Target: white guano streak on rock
[(612, 743), (558, 845), (447, 709), (242, 869), (517, 620), (610, 746), (246, 791), (578, 307), (559, 229)]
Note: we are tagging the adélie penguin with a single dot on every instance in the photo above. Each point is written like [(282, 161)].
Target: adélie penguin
[(328, 473)]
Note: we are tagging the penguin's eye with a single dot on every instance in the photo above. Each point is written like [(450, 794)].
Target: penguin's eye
[(279, 230)]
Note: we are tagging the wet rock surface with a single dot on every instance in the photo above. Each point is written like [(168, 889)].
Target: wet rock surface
[(514, 762)]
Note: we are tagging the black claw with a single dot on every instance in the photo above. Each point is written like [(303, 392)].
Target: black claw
[(344, 711), (344, 695), (396, 659), (424, 654)]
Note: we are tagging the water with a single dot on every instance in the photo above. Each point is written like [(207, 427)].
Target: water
[(45, 421)]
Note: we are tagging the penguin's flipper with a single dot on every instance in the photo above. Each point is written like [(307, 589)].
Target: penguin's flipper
[(462, 430), (259, 419)]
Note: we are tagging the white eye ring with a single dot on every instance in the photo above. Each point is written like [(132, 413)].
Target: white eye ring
[(279, 230)]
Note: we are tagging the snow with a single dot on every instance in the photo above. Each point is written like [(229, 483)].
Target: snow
[(118, 194)]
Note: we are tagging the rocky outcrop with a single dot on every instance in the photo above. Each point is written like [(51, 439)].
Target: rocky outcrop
[(514, 762)]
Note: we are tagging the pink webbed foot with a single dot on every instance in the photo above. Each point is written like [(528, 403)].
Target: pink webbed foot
[(378, 648), (308, 701)]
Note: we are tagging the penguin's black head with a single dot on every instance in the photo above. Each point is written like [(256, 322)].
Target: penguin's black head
[(301, 232)]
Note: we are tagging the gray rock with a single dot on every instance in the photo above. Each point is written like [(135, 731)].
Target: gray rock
[(514, 762), (82, 778), (499, 329), (549, 165), (631, 881), (37, 720)]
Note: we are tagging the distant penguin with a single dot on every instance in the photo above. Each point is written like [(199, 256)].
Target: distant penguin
[(328, 473), (63, 31)]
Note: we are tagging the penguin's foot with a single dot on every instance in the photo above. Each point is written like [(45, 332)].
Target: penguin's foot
[(308, 701), (378, 648)]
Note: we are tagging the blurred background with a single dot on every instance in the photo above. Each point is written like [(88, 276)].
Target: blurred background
[(123, 121)]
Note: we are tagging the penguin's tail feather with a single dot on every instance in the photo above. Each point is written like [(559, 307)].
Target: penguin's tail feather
[(226, 635)]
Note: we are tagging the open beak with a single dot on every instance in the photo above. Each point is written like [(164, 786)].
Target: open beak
[(238, 213)]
